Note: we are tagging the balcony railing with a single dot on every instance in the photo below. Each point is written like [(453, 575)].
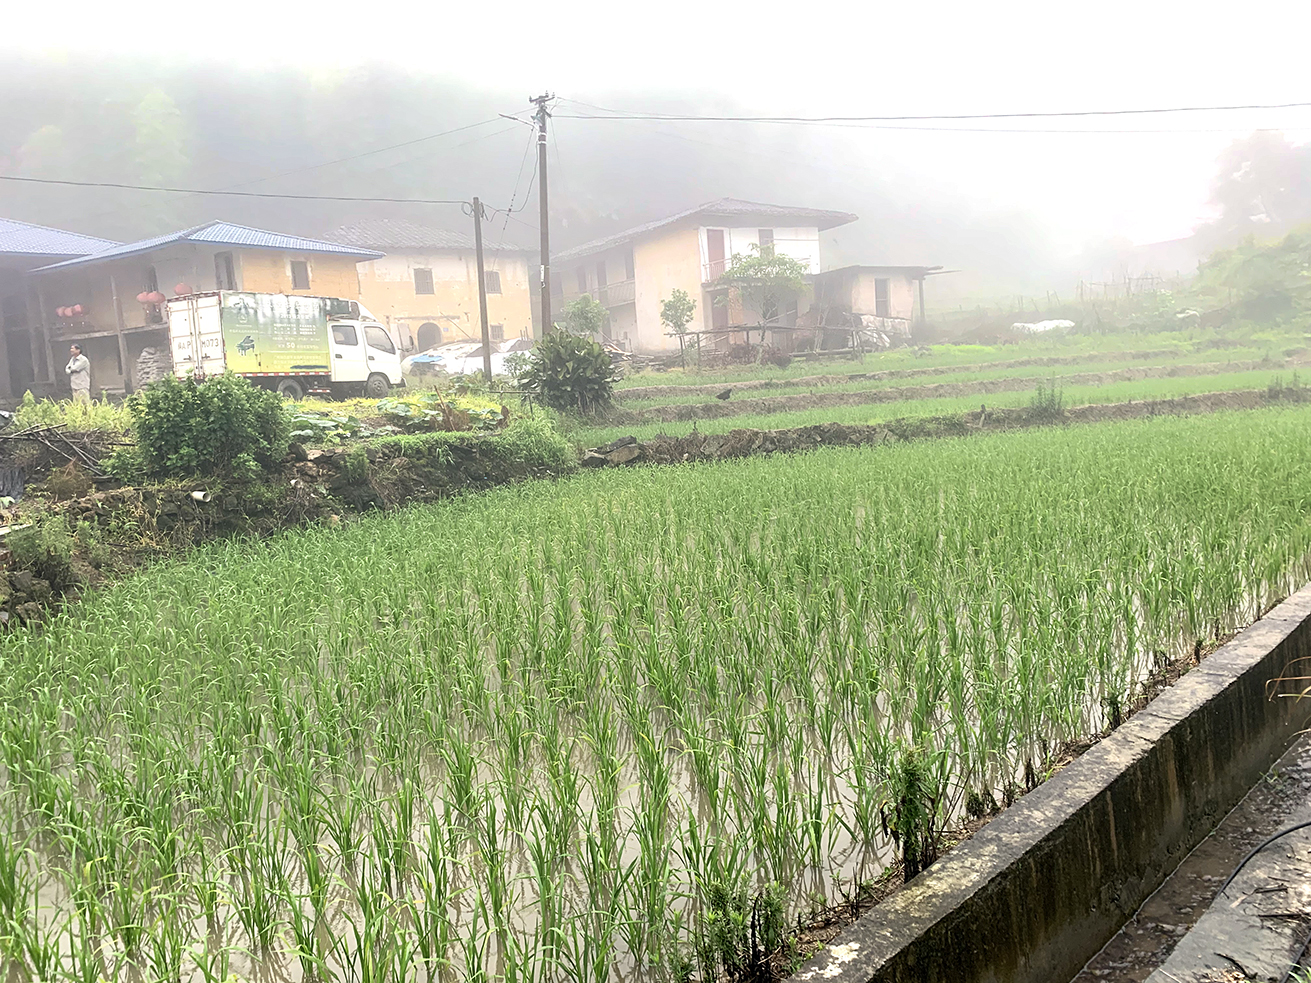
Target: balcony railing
[(618, 294), (713, 270)]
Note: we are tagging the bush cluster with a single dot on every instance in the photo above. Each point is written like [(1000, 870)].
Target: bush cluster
[(570, 372), (224, 426)]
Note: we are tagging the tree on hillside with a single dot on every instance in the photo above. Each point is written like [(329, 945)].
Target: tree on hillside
[(585, 316), (160, 157), (1263, 188), (765, 282)]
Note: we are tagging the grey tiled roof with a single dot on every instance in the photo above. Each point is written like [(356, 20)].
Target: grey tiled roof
[(399, 234), (723, 208), (222, 234), (24, 239)]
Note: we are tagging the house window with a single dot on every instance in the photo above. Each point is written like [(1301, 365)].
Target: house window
[(497, 331), (492, 278), (882, 306), (629, 269), (225, 272), (766, 242), (300, 274), (422, 281), (582, 280)]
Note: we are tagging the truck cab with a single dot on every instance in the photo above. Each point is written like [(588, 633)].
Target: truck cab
[(365, 359)]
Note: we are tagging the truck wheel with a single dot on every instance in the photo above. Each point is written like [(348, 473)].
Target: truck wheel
[(291, 388), (377, 386)]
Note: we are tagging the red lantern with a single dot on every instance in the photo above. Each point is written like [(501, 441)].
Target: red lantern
[(77, 309), (143, 297), (182, 289), (61, 311), (157, 298)]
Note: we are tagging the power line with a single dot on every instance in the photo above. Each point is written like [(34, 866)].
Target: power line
[(617, 114), (326, 163), (232, 194)]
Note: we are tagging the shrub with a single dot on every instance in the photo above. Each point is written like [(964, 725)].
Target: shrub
[(570, 372), (46, 549), (223, 426)]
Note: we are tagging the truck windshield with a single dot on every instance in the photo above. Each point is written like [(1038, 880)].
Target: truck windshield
[(344, 334), (379, 339)]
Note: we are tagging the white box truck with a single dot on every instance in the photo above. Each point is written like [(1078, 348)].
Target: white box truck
[(294, 345)]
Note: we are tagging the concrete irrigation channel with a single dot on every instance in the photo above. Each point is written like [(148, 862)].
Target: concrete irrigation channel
[(1039, 891)]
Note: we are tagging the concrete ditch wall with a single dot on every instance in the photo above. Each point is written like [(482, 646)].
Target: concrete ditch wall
[(1040, 889)]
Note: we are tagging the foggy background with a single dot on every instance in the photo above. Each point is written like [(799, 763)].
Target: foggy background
[(1018, 206)]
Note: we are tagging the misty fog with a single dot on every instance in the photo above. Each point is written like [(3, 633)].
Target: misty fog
[(299, 130)]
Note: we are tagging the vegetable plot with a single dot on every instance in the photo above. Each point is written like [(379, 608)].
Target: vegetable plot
[(598, 729)]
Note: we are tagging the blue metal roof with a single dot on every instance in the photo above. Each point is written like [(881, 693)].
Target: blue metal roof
[(222, 234), (24, 239)]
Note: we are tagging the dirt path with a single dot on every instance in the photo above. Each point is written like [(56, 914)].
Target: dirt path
[(1157, 942), (662, 392), (810, 401)]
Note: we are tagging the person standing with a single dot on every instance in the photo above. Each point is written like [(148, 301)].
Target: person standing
[(78, 370)]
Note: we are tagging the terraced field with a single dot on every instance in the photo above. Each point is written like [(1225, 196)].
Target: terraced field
[(595, 729)]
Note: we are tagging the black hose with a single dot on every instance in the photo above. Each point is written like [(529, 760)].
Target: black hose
[(1258, 849)]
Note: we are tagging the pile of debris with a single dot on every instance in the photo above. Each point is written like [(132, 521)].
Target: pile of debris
[(153, 364)]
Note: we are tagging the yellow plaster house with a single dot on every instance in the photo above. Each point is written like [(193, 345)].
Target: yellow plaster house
[(632, 272), (426, 286), (114, 327)]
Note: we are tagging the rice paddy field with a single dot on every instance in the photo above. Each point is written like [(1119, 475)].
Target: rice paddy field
[(1073, 395), (532, 735)]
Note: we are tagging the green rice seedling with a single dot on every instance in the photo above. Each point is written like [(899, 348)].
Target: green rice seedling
[(522, 734)]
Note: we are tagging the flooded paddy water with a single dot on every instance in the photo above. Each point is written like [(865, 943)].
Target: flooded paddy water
[(591, 729)]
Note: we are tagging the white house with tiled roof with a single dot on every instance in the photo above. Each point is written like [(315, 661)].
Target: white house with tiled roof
[(426, 286), (633, 272)]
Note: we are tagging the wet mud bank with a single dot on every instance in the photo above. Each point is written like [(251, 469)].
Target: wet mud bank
[(1039, 890), (744, 442)]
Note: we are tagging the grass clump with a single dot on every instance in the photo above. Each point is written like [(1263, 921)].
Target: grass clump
[(98, 414), (46, 549)]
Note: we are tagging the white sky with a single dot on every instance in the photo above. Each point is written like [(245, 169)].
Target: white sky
[(816, 59)]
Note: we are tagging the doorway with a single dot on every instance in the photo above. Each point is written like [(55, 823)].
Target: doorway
[(714, 254), (430, 336)]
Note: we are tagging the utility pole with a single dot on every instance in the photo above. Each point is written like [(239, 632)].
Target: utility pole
[(544, 219), (482, 287)]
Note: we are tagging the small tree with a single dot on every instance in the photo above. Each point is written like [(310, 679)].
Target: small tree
[(584, 316), (764, 281), (570, 372), (676, 314)]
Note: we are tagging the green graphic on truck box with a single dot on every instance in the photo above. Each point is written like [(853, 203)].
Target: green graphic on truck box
[(275, 333)]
